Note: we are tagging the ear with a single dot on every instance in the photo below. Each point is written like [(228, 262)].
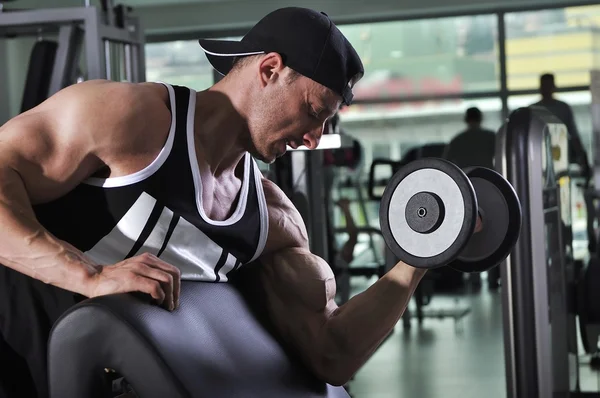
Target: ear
[(270, 68)]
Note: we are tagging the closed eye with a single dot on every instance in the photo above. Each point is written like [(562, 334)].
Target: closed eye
[(312, 112)]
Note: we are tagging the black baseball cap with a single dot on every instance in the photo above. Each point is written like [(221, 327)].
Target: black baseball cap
[(308, 42)]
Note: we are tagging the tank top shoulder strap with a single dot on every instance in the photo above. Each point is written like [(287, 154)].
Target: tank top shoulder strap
[(181, 104)]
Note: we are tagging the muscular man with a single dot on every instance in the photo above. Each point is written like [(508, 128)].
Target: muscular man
[(114, 187)]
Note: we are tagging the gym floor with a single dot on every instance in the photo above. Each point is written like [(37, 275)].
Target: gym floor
[(444, 359)]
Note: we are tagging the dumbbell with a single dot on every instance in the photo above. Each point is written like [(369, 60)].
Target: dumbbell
[(429, 211)]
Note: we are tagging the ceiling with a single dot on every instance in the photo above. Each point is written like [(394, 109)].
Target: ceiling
[(175, 16)]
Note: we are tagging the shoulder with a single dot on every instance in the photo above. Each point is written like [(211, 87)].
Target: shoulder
[(286, 226), (563, 104), (112, 115), (97, 99)]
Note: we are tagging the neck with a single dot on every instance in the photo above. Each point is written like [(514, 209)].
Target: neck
[(220, 129)]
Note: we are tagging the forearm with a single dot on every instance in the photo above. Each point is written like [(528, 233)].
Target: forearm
[(357, 328), (28, 248)]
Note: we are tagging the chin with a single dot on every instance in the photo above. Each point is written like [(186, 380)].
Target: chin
[(268, 159)]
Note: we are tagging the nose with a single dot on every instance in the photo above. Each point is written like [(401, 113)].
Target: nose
[(312, 138)]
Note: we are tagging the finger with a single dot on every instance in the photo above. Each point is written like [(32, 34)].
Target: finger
[(176, 289), (165, 278), (156, 262), (478, 224), (149, 286)]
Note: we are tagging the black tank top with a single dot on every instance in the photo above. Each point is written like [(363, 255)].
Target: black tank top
[(159, 210)]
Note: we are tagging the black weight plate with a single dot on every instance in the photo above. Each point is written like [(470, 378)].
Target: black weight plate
[(440, 247), (501, 214)]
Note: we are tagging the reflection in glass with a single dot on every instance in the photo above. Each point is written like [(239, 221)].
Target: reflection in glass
[(179, 62), (426, 57), (396, 130), (564, 41)]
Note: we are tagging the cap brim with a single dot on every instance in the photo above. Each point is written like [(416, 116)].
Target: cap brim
[(221, 53)]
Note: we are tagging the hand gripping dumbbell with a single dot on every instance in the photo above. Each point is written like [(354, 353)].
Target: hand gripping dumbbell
[(429, 211)]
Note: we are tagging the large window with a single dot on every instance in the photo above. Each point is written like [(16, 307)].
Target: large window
[(400, 127), (426, 57), (564, 41), (178, 62), (391, 130)]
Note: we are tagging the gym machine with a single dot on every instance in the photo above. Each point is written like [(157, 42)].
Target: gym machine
[(538, 304), (110, 36), (300, 175)]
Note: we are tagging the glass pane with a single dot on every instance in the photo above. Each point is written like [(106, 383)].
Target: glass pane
[(178, 62), (563, 41), (395, 129), (426, 57)]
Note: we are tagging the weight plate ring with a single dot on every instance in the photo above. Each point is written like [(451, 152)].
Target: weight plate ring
[(446, 180)]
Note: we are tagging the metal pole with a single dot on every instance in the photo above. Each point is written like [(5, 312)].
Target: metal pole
[(66, 61), (502, 64), (128, 64), (107, 60), (95, 55)]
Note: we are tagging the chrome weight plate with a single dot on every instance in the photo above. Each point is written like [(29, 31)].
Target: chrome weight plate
[(428, 213)]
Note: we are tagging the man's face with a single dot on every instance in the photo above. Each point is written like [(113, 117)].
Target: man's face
[(289, 112)]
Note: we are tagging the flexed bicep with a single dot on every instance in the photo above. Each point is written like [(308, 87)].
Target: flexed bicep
[(300, 289)]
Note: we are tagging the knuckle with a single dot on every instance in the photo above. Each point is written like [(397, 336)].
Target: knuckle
[(147, 256), (155, 287), (137, 266)]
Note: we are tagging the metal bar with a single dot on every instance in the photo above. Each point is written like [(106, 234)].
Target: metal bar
[(107, 60), (558, 90), (94, 50), (194, 34), (36, 17), (363, 209), (128, 65), (316, 198), (117, 35), (139, 52), (508, 306), (64, 72), (5, 113), (473, 95), (595, 113), (137, 64), (421, 98), (502, 63)]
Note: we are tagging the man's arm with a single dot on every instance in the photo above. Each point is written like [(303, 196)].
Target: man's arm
[(334, 341), (45, 153)]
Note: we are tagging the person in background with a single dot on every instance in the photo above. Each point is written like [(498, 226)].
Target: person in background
[(562, 110), (475, 146)]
